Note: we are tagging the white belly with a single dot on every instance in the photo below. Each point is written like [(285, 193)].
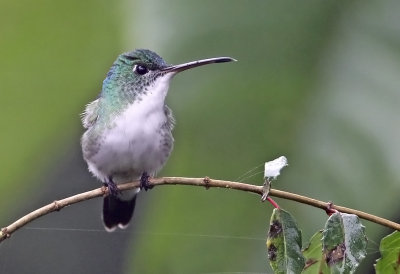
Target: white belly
[(138, 142)]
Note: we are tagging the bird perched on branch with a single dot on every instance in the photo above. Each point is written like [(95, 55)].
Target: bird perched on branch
[(129, 128)]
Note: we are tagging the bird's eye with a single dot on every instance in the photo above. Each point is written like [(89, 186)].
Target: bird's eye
[(140, 69)]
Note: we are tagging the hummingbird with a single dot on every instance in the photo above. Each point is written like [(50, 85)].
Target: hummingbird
[(129, 128)]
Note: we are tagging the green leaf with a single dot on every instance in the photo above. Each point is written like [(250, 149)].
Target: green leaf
[(284, 243), (315, 261), (344, 242), (390, 252)]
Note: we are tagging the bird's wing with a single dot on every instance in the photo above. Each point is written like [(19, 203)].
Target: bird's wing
[(89, 116)]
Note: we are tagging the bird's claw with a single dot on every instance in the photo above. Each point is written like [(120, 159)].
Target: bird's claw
[(144, 181), (112, 188)]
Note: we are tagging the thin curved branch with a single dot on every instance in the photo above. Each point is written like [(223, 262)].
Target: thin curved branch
[(203, 182)]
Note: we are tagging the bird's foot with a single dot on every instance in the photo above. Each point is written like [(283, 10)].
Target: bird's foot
[(144, 181), (112, 188)]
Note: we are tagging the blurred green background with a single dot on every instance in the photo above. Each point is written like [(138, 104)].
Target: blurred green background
[(316, 81)]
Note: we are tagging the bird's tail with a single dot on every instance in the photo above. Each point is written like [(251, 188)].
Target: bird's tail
[(117, 212)]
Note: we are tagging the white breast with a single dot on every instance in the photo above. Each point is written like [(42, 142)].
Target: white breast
[(135, 143)]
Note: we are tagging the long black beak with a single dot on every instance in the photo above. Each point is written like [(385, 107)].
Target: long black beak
[(193, 64)]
